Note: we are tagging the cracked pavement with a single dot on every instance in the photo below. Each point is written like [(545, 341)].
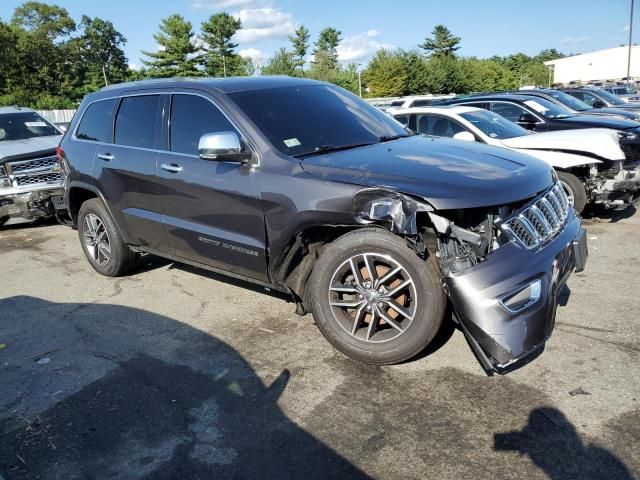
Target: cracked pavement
[(174, 372)]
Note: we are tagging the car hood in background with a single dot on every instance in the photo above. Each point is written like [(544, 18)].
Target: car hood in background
[(601, 142), (448, 173), (628, 114), (597, 121), (14, 149)]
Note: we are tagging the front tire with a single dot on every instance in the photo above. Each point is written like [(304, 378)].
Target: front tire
[(574, 188), (374, 299), (101, 241)]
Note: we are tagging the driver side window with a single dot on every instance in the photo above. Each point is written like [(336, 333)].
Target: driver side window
[(586, 98), (509, 111), (437, 126), (191, 117)]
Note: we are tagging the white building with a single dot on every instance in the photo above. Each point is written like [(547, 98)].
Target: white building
[(609, 64)]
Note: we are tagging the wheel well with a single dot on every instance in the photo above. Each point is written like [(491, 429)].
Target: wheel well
[(77, 196)]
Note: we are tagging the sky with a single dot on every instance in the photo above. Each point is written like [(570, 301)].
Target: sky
[(497, 27)]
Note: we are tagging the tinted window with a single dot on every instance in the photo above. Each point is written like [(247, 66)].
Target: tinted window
[(192, 117), (437, 126), (422, 103), (23, 125), (303, 120), (136, 121), (509, 111), (493, 125), (403, 119), (97, 122)]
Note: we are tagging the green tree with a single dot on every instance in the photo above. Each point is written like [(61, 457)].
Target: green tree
[(443, 75), (415, 67), (219, 49), (326, 50), (282, 63), (102, 48), (177, 54), (300, 43), (50, 21), (442, 42), (385, 75)]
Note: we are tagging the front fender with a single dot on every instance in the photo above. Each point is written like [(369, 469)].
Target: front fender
[(562, 160)]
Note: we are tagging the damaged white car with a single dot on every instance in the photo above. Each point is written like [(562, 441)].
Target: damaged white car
[(30, 175), (590, 165)]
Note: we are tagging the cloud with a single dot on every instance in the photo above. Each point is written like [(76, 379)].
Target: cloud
[(134, 66), (262, 23), (222, 4), (574, 40), (254, 54), (360, 46)]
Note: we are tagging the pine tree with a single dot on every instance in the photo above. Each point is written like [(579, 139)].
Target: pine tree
[(300, 43), (326, 49), (443, 42), (282, 63), (177, 54), (220, 59)]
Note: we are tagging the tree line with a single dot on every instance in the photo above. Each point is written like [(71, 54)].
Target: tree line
[(50, 61)]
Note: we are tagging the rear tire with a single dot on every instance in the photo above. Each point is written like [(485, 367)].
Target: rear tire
[(101, 241), (364, 317), (574, 188)]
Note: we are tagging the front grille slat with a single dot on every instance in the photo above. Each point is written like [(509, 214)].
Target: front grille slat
[(37, 163), (540, 221), (38, 179), (34, 172)]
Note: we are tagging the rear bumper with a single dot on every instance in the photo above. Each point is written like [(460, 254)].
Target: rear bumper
[(501, 338)]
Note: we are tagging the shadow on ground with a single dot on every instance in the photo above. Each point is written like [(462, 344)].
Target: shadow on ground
[(144, 416), (599, 214)]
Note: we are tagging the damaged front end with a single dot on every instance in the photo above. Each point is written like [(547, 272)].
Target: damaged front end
[(503, 267), (28, 189), (615, 184)]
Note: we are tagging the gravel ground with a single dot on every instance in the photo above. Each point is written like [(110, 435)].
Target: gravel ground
[(174, 372)]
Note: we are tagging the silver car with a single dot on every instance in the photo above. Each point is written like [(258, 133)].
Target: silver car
[(30, 176)]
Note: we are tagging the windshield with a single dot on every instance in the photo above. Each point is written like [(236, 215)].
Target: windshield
[(23, 125), (307, 119), (611, 98), (572, 102), (494, 125), (548, 109)]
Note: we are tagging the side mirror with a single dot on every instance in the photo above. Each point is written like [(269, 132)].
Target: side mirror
[(222, 147), (466, 136), (598, 104), (527, 118)]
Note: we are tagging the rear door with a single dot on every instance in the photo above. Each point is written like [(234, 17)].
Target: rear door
[(125, 170), (212, 210)]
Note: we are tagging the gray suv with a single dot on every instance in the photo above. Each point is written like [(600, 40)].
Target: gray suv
[(302, 187)]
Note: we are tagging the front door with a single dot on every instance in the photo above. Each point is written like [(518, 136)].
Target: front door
[(212, 209)]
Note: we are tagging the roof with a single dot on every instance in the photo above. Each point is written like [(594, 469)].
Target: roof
[(14, 109), (454, 109), (490, 96), (224, 85)]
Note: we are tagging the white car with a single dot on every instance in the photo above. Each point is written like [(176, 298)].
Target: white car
[(589, 162)]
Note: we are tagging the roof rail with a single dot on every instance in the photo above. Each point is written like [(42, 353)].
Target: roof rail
[(151, 81)]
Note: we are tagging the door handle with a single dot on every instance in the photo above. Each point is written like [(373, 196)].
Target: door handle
[(107, 157), (173, 168)]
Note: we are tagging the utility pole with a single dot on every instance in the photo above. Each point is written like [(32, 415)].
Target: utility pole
[(630, 39), (360, 82)]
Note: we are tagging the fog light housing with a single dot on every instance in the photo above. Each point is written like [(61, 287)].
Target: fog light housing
[(523, 298)]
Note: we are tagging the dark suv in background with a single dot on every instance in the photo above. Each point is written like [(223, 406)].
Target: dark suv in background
[(303, 187)]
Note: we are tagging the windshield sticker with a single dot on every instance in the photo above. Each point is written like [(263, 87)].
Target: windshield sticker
[(35, 124), (292, 142), (536, 106)]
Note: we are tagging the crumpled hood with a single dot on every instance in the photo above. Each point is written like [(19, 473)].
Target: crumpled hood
[(17, 148), (597, 141), (447, 173)]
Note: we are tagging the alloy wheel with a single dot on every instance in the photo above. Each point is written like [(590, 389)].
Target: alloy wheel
[(372, 297), (96, 239)]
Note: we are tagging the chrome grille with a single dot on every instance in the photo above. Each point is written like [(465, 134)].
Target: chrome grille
[(539, 221), (37, 163), (38, 179)]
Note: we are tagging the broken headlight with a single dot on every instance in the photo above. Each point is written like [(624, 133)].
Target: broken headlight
[(628, 136)]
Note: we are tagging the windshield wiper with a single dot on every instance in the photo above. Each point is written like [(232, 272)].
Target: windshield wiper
[(331, 148), (388, 138)]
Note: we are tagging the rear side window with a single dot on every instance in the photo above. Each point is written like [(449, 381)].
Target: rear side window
[(97, 122), (136, 121), (192, 117)]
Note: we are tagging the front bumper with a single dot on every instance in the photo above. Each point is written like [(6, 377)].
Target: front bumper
[(622, 190), (21, 207), (501, 339)]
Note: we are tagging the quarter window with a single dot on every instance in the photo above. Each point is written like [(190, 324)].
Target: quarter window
[(192, 117), (97, 122), (437, 126), (136, 121)]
